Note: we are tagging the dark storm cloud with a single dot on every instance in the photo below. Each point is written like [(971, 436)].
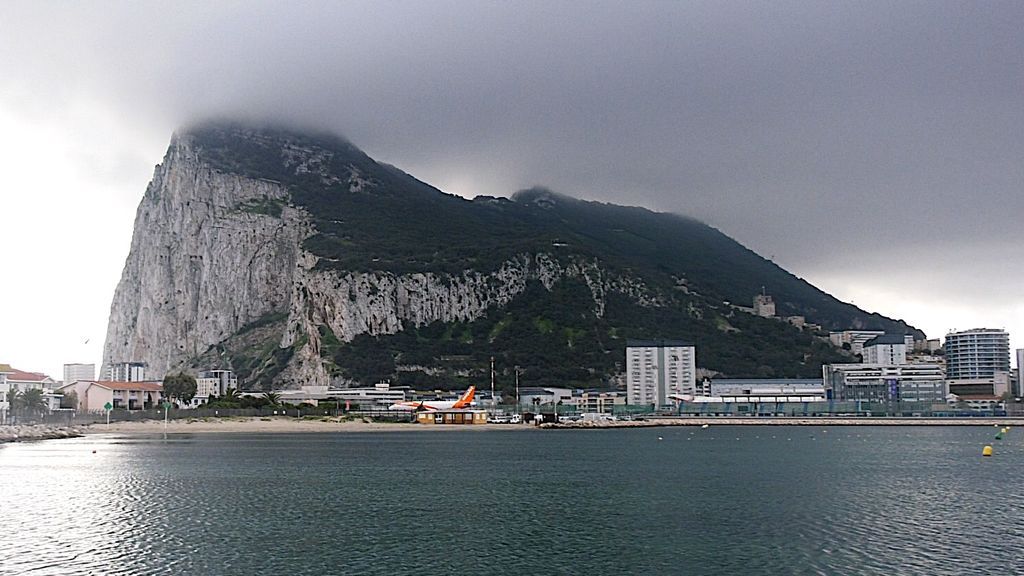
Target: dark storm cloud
[(823, 133)]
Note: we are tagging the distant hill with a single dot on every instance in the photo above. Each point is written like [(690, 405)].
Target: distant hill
[(373, 274)]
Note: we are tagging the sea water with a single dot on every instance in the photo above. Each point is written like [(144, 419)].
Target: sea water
[(681, 500)]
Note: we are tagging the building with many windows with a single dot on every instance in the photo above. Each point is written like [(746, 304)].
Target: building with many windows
[(125, 372), (75, 372), (658, 369), (978, 362), (887, 350), (213, 383), (880, 383), (596, 401)]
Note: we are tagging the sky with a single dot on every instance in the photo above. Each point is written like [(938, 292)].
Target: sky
[(875, 149)]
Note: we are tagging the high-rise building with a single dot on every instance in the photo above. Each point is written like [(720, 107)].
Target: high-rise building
[(75, 372), (127, 372), (657, 369), (978, 362)]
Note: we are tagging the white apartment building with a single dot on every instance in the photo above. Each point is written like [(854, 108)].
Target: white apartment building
[(213, 383), (886, 350), (75, 372), (658, 369), (126, 372), (978, 362), (881, 383)]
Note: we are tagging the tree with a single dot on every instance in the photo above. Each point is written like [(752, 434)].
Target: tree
[(32, 402), (13, 398), (272, 398), (180, 386), (70, 400), (230, 396)]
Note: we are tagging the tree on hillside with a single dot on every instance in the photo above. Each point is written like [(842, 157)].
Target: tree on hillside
[(180, 386)]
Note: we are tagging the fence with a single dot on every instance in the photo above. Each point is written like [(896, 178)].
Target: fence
[(73, 418)]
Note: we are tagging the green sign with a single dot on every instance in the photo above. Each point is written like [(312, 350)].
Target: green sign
[(108, 406), (167, 405)]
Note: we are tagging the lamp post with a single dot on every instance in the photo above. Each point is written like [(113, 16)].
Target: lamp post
[(492, 386), (518, 410)]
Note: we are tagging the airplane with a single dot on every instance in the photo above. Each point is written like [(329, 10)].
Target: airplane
[(464, 401)]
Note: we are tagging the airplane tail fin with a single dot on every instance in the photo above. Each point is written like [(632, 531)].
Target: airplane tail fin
[(466, 399)]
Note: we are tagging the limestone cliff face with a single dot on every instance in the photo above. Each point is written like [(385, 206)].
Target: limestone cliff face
[(215, 252), (204, 261)]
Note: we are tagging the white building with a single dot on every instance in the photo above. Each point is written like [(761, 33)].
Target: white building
[(978, 362), (886, 350), (75, 372), (4, 389), (658, 369), (213, 383), (379, 397), (881, 383), (126, 372)]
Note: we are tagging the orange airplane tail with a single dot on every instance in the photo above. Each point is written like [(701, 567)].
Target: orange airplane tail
[(466, 398)]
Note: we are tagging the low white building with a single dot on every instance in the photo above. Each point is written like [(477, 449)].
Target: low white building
[(534, 397), (598, 402), (93, 395)]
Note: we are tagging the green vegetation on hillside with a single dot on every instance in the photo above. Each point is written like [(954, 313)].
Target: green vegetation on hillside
[(373, 217)]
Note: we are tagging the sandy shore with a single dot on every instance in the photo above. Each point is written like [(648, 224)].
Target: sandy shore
[(790, 421), (280, 424), (264, 425)]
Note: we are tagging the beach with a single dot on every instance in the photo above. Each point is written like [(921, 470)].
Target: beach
[(270, 425)]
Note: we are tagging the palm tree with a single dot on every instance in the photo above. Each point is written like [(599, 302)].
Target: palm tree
[(32, 402), (13, 403), (231, 395), (273, 398)]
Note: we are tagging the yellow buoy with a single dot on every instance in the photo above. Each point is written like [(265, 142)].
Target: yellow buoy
[(986, 451), (1005, 430)]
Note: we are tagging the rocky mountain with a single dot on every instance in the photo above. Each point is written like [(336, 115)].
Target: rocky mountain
[(296, 259)]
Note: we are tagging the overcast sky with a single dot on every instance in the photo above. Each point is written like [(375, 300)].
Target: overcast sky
[(874, 148)]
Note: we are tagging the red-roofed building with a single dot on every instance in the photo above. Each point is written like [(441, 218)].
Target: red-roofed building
[(93, 395), (22, 381), (13, 379)]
